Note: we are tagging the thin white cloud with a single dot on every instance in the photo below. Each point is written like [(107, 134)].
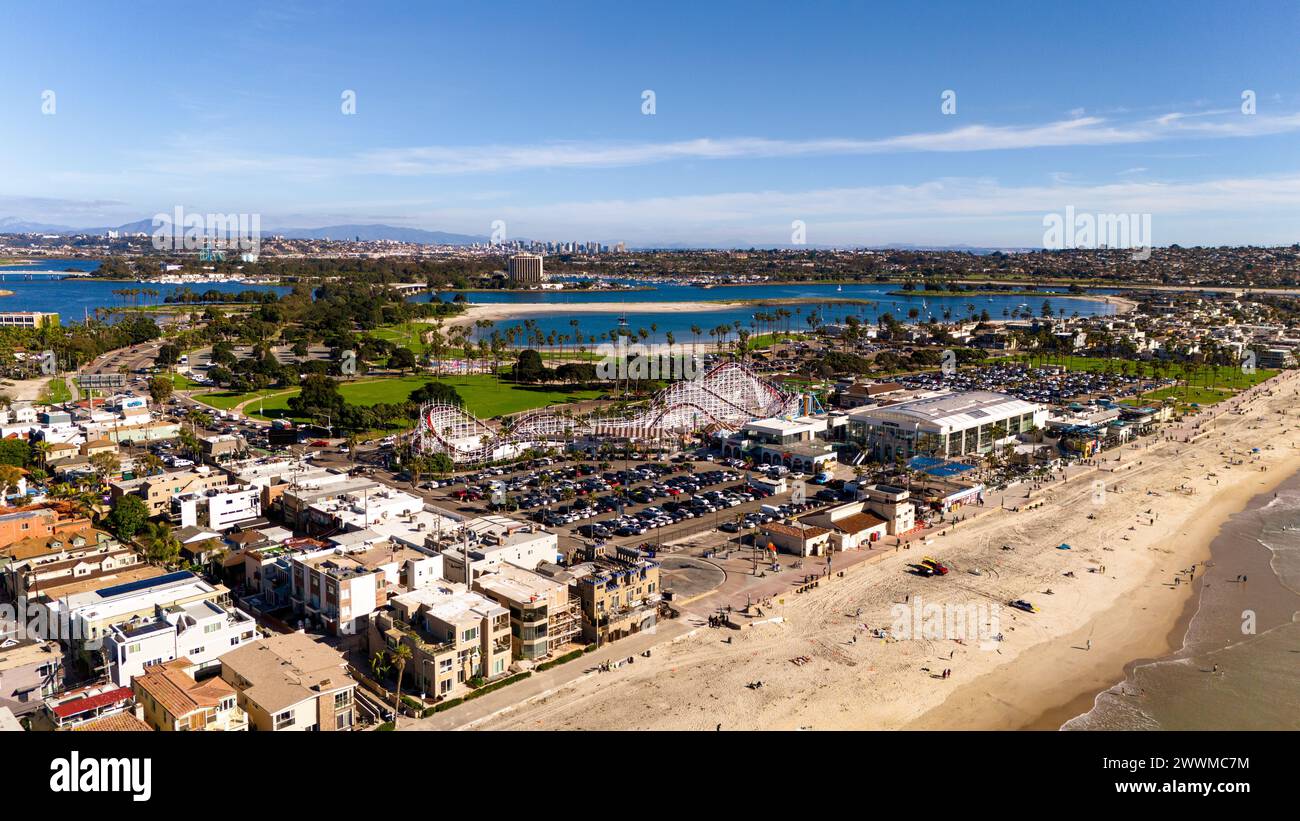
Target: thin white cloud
[(198, 156), (976, 211)]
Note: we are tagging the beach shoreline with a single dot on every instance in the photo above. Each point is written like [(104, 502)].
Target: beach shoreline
[(1118, 603), (1072, 680)]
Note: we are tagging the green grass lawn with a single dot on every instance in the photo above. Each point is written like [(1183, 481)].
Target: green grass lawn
[(403, 335), (485, 396), (56, 391), (181, 382), (225, 400), (1195, 395)]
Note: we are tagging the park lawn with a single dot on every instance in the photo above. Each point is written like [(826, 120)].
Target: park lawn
[(406, 337), (181, 382), (764, 341), (56, 392), (225, 400), (1195, 395), (485, 396)]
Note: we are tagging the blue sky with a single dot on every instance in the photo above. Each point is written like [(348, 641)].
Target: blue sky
[(765, 113)]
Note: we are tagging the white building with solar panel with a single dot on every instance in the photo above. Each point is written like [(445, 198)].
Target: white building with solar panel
[(948, 426)]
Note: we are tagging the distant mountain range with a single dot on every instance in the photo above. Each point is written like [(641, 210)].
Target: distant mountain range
[(393, 233), (365, 233)]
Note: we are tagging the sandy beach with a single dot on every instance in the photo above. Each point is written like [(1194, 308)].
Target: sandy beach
[(1163, 501)]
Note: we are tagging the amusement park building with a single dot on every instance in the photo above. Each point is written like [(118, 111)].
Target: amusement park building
[(950, 425)]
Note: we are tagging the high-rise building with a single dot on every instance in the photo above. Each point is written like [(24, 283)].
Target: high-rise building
[(525, 270)]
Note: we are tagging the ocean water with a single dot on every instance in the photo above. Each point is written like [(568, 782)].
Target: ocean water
[(1248, 629)]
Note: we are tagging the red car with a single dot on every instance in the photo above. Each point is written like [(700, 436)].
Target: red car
[(320, 443)]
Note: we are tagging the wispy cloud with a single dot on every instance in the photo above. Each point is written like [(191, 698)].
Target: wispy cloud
[(195, 156), (942, 210)]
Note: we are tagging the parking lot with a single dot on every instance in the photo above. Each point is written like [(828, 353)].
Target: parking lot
[(641, 503), (1045, 385)]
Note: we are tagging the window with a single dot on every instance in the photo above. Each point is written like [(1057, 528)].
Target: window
[(284, 720), (470, 634), (212, 628), (343, 700), (227, 704)]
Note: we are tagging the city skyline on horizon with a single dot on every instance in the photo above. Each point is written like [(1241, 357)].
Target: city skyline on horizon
[(820, 124)]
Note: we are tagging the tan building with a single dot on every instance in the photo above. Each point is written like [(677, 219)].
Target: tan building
[(172, 701), (893, 504), (157, 491), (542, 616), (619, 592), (801, 540), (455, 636), (342, 588), (292, 682), (851, 526)]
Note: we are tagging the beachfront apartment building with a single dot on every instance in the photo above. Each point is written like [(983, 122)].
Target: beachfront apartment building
[(342, 586), (497, 540), (618, 590), (455, 636), (200, 631), (171, 699), (292, 683), (542, 615)]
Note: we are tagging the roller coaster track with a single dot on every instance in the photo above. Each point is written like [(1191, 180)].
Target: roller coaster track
[(725, 398)]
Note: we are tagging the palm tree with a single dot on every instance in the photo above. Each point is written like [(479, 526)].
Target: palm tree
[(160, 543), (401, 654), (150, 463)]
